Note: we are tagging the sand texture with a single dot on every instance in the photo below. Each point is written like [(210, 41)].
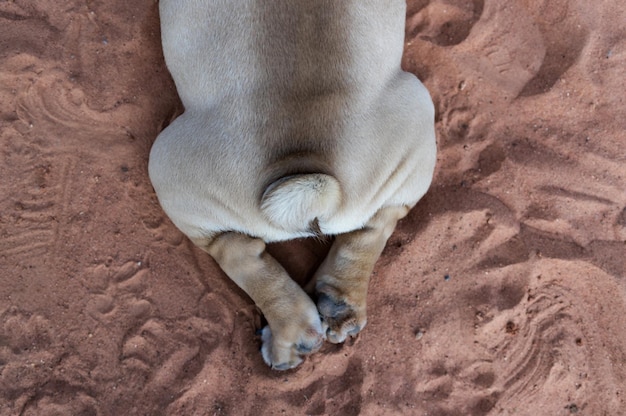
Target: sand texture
[(502, 293)]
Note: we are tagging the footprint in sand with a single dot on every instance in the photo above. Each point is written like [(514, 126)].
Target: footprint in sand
[(169, 354), (31, 383), (330, 393), (564, 37), (533, 341), (117, 290), (532, 337), (538, 326), (163, 354), (443, 23), (485, 37), (38, 196), (530, 64)]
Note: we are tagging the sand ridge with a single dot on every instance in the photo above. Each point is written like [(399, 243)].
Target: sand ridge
[(502, 292)]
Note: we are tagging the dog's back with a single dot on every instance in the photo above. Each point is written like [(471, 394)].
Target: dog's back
[(250, 52), (278, 88)]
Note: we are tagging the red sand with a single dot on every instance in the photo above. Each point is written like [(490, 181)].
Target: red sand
[(106, 309)]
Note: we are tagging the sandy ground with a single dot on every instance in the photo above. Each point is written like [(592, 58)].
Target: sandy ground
[(502, 293)]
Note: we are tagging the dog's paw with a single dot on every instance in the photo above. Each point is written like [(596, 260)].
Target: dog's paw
[(340, 317), (284, 352)]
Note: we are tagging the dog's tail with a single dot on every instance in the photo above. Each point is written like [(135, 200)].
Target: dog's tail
[(298, 202)]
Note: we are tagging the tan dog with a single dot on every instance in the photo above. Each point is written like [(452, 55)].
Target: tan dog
[(298, 122)]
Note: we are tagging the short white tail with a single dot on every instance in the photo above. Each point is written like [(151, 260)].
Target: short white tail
[(296, 202)]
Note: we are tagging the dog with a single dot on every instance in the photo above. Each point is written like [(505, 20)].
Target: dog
[(298, 122)]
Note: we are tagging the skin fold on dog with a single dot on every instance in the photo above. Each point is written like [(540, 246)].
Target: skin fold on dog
[(298, 122)]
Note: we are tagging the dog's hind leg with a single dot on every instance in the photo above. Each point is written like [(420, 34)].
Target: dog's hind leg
[(294, 328), (342, 280)]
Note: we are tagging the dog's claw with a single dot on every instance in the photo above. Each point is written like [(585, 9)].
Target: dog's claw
[(284, 356), (340, 319)]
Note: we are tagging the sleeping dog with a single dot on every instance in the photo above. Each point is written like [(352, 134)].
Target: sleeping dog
[(298, 122)]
